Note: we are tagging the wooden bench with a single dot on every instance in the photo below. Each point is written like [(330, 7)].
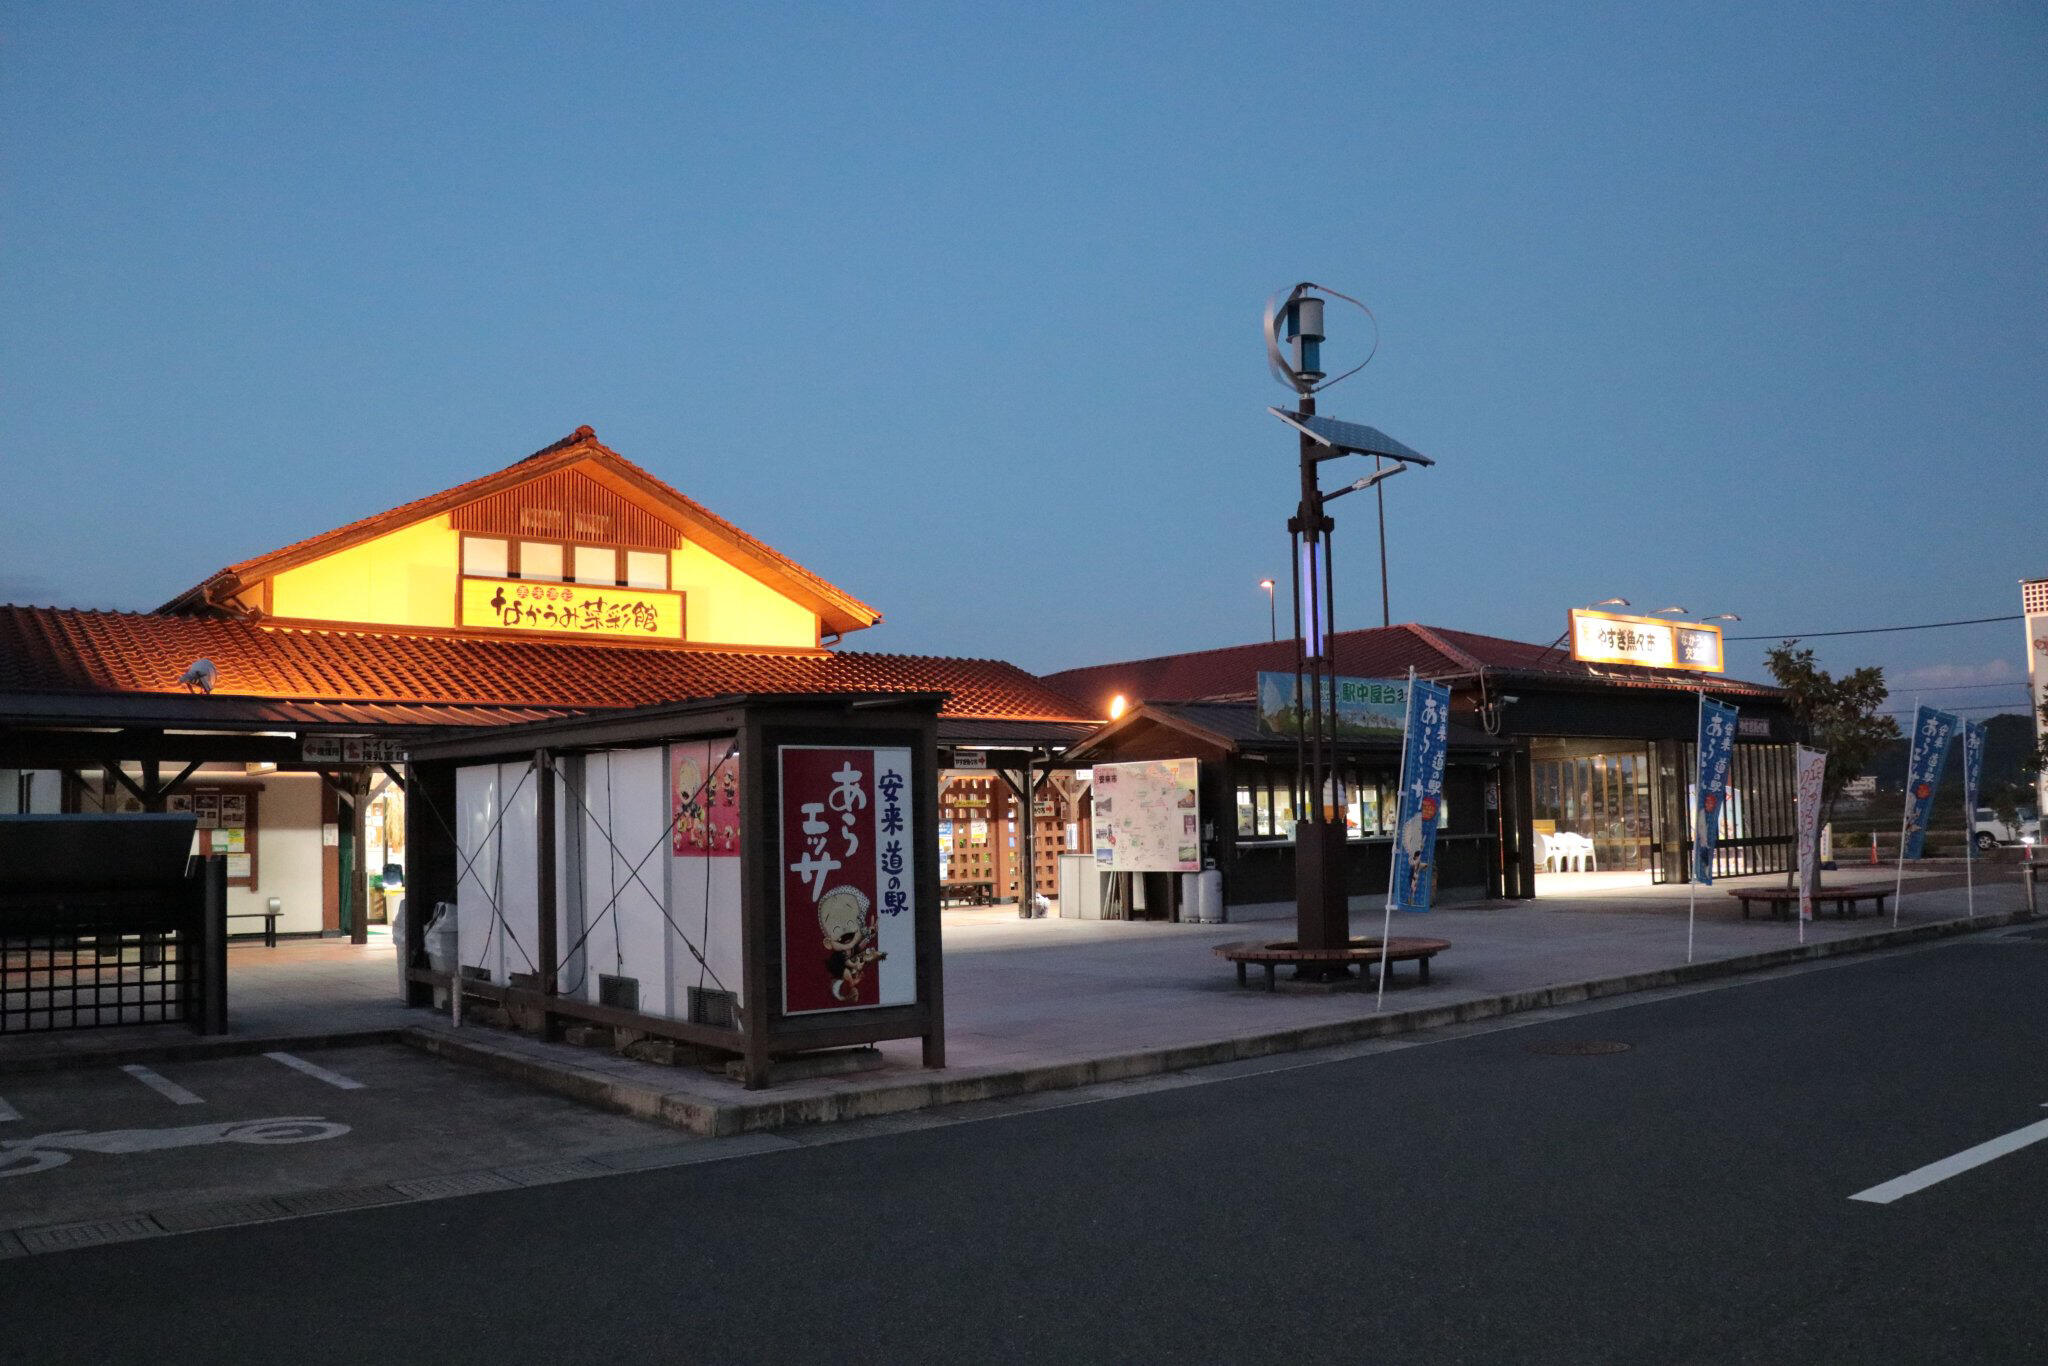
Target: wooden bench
[(1783, 901), (967, 891), (269, 919), (1271, 954)]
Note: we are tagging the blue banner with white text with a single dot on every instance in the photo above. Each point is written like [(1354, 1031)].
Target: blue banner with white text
[(1932, 731), (1710, 784), (1422, 797), (1974, 735)]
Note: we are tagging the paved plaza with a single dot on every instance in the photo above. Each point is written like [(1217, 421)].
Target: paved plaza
[(1037, 1004)]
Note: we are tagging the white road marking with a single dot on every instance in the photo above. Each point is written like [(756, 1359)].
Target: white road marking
[(169, 1090), (8, 1112), (316, 1071), (1961, 1162)]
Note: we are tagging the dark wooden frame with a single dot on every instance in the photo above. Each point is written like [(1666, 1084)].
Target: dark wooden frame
[(763, 724)]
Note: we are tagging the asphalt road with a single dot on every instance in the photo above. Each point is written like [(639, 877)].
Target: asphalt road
[(1469, 1199)]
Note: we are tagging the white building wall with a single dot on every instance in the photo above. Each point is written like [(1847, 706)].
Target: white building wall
[(496, 898), (288, 857), (45, 792), (625, 829)]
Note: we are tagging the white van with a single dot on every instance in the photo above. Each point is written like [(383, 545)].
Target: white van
[(1993, 831)]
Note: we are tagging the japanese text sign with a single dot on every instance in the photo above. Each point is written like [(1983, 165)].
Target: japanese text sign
[(849, 932), (1810, 768), (1717, 755), (1362, 706), (1932, 732), (576, 609), (1652, 642), (1422, 796), (1974, 735)]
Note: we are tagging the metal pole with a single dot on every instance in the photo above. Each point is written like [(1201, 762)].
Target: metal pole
[(1379, 491)]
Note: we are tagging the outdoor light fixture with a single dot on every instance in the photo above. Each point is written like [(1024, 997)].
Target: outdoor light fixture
[(1375, 477), (1720, 616), (1683, 612), (1116, 706), (1272, 612), (1609, 602)]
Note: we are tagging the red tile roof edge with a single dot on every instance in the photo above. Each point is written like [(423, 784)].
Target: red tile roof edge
[(58, 651)]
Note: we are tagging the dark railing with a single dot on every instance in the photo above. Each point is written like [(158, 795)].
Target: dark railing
[(95, 931)]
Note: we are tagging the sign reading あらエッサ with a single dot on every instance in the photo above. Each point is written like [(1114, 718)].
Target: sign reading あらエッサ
[(576, 609), (849, 909)]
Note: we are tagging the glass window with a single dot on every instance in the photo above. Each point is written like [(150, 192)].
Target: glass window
[(540, 561), (483, 557), (597, 564), (1245, 821), (646, 569)]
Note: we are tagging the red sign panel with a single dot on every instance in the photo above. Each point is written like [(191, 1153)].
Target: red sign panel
[(848, 910)]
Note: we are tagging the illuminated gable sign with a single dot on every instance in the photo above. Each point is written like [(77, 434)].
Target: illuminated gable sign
[(1608, 638), (573, 609)]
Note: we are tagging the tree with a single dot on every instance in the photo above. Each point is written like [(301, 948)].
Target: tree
[(1840, 715)]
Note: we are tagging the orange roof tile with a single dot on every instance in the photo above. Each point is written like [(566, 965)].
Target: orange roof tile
[(51, 650)]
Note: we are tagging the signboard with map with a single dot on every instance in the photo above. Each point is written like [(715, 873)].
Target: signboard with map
[(1148, 817)]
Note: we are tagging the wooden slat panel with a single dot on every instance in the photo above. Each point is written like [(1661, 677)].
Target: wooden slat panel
[(566, 506)]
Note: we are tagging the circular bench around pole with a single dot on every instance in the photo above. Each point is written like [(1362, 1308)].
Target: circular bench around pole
[(1272, 954)]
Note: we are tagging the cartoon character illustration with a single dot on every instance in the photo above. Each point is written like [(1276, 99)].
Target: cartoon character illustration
[(690, 806), (1413, 832), (849, 939)]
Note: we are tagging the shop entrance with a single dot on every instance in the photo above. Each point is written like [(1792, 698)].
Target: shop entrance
[(1594, 801)]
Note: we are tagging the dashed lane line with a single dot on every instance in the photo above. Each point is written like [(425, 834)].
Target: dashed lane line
[(316, 1071), (163, 1086)]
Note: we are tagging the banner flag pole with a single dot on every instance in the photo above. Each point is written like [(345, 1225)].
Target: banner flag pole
[(1387, 919), (1692, 865), (1905, 811)]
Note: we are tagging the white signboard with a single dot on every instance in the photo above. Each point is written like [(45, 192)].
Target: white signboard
[(1148, 817), (1653, 642)]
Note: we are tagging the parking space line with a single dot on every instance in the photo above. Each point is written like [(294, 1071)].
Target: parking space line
[(169, 1090), (1935, 1172), (7, 1112), (315, 1071)]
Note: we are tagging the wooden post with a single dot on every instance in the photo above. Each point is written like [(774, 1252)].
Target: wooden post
[(548, 947), (359, 831)]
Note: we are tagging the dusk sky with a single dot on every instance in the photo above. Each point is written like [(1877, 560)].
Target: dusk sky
[(1743, 308)]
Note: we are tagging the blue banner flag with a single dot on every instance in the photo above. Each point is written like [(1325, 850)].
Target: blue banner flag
[(1422, 797), (1974, 733), (1710, 784), (1932, 731)]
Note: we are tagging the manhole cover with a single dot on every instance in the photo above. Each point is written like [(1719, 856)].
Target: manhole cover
[(1579, 1048)]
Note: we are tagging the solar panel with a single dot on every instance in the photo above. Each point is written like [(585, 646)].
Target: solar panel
[(1352, 436)]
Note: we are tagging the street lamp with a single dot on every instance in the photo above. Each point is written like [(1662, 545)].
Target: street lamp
[(1608, 602), (1294, 329), (1720, 616), (1272, 612), (1680, 611)]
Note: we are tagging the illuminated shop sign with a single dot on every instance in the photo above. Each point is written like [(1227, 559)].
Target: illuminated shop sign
[(1607, 638), (576, 609)]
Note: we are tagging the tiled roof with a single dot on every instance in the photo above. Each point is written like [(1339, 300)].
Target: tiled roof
[(1382, 652), (581, 444), (48, 650)]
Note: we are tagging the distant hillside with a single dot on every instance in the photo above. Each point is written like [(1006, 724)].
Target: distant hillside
[(2008, 736)]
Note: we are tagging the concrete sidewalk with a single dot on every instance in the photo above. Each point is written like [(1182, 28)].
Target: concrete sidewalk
[(1043, 1004)]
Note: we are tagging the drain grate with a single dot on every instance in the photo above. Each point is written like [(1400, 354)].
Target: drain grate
[(1579, 1048)]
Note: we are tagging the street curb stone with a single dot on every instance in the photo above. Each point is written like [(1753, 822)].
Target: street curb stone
[(699, 1114)]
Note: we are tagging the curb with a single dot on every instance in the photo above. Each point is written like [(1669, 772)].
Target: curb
[(712, 1118)]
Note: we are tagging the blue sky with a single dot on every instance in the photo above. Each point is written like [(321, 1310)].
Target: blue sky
[(1743, 308)]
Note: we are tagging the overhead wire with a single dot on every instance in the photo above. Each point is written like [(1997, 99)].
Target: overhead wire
[(1874, 630)]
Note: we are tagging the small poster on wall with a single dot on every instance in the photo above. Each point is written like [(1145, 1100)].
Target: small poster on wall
[(704, 791), (1148, 816), (849, 925)]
